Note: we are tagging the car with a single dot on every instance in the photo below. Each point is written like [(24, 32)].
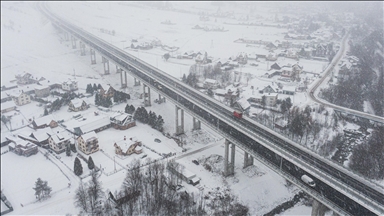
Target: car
[(157, 140), (195, 162), (144, 156), (57, 156)]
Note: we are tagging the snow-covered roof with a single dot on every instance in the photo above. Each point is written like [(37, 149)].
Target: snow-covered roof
[(220, 91), (7, 105), (289, 88), (89, 135), (60, 136), (91, 126), (41, 87), (44, 120), (270, 94), (77, 102), (212, 81), (41, 134), (244, 103)]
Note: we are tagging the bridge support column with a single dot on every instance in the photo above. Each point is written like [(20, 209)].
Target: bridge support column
[(118, 70), (229, 166), (93, 56), (66, 36), (318, 209), (196, 124), (179, 128), (106, 65), (73, 39), (146, 95), (123, 85), (82, 48), (137, 82), (248, 160)]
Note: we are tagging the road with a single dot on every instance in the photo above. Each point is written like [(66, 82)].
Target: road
[(327, 72)]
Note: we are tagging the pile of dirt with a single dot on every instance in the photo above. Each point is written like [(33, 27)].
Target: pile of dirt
[(200, 136), (213, 163)]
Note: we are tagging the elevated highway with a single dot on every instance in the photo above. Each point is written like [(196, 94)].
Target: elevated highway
[(336, 187)]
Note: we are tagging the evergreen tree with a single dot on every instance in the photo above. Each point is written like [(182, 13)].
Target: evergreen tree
[(38, 188), (97, 99), (45, 112), (159, 123), (116, 97), (184, 79), (91, 165), (46, 189), (95, 87), (89, 89), (78, 168), (73, 148), (263, 101), (126, 110), (68, 150), (131, 109), (152, 118), (99, 86)]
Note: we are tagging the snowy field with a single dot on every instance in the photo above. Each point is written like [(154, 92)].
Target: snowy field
[(33, 46)]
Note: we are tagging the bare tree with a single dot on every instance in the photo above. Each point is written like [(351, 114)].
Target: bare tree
[(81, 197)]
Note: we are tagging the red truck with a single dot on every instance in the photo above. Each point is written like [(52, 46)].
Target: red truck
[(238, 114)]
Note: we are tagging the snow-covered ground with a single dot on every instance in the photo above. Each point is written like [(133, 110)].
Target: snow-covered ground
[(33, 46)]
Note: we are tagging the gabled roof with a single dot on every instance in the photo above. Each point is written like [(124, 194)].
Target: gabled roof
[(44, 120), (41, 135), (91, 126), (212, 81), (60, 136), (243, 103), (89, 135), (77, 102), (7, 105)]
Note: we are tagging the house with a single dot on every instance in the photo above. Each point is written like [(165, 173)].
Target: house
[(24, 79), (267, 89), (243, 105), (107, 91), (281, 124), (271, 56), (291, 53), (180, 171), (242, 58), (9, 86), (97, 125), (77, 105), (41, 137), (70, 85), (42, 91), (122, 121), (43, 122), (275, 66), (88, 143), (271, 46), (287, 72), (271, 99), (8, 106), (59, 140), (20, 98), (211, 84), (201, 59), (22, 147), (289, 90), (127, 147)]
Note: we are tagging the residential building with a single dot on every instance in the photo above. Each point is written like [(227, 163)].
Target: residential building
[(59, 140), (271, 56), (8, 106), (43, 122), (70, 85), (243, 105), (122, 121), (101, 123), (275, 66), (211, 84), (270, 99), (42, 91), (8, 86), (242, 58), (24, 79), (127, 147), (88, 143), (267, 89), (289, 90), (20, 98), (77, 105), (107, 91), (22, 147)]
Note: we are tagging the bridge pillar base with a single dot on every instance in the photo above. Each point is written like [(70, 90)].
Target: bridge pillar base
[(146, 95), (248, 160), (229, 166), (318, 209), (123, 85), (82, 49), (73, 39), (196, 124), (106, 65), (179, 127), (93, 56), (137, 82), (118, 70)]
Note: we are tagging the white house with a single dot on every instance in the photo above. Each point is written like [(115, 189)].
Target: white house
[(70, 85), (211, 83), (88, 143)]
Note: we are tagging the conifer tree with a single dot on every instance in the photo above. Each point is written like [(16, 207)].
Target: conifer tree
[(68, 150), (95, 87), (91, 164), (78, 168)]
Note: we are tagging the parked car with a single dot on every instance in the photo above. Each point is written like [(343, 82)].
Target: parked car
[(144, 156), (157, 140), (195, 162)]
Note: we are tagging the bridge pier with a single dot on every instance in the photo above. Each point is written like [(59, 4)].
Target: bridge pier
[(106, 65), (93, 56), (318, 209), (137, 82), (196, 124), (118, 70), (229, 166), (66, 36), (73, 39), (82, 48), (146, 96), (248, 160), (179, 128), (123, 85)]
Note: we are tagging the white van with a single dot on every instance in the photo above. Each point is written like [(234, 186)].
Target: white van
[(308, 180)]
